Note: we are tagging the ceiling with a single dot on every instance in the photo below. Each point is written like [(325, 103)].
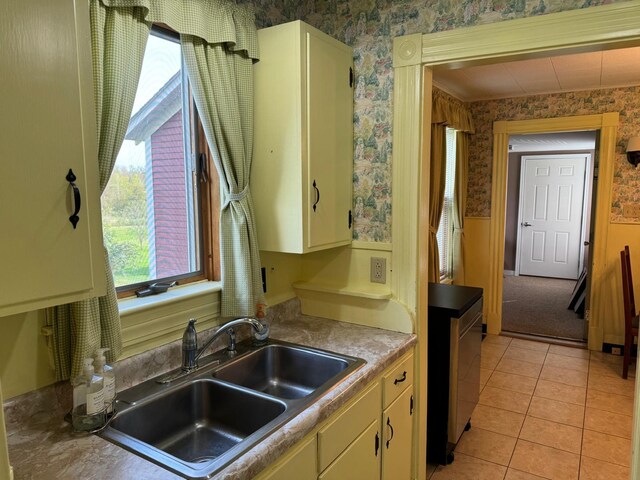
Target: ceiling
[(583, 71)]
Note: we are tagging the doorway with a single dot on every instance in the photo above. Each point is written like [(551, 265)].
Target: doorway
[(549, 192)]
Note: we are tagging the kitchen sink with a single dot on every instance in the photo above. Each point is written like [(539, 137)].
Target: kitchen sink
[(284, 371), (198, 423)]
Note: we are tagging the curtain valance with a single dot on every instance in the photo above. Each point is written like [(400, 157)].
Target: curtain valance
[(451, 113), (215, 21)]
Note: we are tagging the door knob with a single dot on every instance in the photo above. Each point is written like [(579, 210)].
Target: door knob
[(525, 224)]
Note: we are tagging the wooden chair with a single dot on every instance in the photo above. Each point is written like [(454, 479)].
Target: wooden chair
[(630, 316)]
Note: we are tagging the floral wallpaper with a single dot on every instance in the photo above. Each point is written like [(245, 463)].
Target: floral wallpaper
[(626, 101), (369, 26)]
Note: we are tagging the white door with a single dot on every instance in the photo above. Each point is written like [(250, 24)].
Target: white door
[(551, 206)]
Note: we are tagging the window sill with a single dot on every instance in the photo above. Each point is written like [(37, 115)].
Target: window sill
[(130, 305)]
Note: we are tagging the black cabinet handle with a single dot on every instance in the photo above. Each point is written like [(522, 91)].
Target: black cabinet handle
[(389, 425), (401, 379), (317, 195), (377, 443), (74, 218)]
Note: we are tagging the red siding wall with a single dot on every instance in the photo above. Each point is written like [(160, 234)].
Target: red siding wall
[(167, 153)]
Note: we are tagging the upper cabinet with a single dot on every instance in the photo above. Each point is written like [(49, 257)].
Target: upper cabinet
[(47, 128), (301, 179)]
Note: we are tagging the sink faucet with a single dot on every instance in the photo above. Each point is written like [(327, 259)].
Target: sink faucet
[(191, 353)]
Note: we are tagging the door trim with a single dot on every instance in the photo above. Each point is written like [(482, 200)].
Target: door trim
[(607, 124), (586, 157)]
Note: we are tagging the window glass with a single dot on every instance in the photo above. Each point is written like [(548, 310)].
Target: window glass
[(445, 229), (150, 206)]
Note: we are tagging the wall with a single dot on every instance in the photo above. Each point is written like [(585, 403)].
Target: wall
[(626, 183)]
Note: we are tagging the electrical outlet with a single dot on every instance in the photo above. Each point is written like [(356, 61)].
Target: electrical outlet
[(616, 351), (378, 270)]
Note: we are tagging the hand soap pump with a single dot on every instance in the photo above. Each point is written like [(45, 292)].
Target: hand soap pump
[(109, 377), (88, 400)]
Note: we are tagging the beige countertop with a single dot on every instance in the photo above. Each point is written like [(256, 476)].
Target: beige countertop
[(43, 446)]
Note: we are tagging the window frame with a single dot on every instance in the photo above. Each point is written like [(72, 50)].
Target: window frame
[(446, 268), (207, 199)]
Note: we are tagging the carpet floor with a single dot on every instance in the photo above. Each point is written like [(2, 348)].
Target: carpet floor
[(538, 306)]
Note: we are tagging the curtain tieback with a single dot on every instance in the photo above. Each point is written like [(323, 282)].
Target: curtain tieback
[(235, 197), (433, 230), (458, 230)]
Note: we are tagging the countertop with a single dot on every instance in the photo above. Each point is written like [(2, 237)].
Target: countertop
[(42, 445), (452, 300)]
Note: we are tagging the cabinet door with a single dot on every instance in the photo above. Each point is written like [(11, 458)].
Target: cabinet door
[(360, 461), (397, 438), (302, 465), (47, 128), (330, 141)]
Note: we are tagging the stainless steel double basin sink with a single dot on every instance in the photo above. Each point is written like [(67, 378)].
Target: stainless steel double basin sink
[(197, 424)]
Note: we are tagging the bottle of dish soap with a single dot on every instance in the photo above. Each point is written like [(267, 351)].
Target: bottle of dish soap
[(108, 376), (88, 399)]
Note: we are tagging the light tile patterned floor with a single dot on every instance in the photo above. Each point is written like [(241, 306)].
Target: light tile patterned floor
[(546, 411)]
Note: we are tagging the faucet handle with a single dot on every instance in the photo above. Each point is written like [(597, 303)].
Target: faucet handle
[(261, 337)]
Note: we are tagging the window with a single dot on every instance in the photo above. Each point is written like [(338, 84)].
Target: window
[(445, 229), (152, 208)]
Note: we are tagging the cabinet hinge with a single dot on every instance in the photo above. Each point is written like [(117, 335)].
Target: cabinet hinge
[(350, 77), (377, 443), (411, 406), (350, 219)]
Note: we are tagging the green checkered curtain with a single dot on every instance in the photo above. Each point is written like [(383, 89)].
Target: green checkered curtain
[(221, 77), (118, 40)]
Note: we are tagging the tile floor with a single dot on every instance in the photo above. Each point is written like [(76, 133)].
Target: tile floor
[(546, 411)]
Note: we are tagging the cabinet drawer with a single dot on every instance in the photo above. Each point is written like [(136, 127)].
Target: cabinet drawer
[(345, 428), (397, 379)]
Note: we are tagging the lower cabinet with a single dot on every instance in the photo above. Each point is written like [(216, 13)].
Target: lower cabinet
[(360, 461), (301, 464), (397, 425), (371, 438)]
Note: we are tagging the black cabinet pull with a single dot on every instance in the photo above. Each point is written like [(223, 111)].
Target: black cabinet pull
[(317, 195), (389, 425), (411, 406), (74, 218), (401, 379), (377, 443)]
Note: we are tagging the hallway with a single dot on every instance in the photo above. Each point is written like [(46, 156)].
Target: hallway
[(538, 306), (546, 411)]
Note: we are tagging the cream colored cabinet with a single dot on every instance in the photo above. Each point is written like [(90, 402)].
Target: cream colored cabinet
[(48, 128), (360, 461), (300, 464), (301, 179), (397, 425)]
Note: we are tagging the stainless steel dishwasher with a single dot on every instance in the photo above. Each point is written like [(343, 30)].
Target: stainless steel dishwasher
[(453, 369), (464, 382)]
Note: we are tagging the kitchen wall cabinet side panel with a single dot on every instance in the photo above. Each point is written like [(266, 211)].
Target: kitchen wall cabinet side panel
[(278, 150), (48, 127), (303, 133)]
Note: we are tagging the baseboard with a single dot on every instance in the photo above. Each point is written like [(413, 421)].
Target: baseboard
[(509, 273)]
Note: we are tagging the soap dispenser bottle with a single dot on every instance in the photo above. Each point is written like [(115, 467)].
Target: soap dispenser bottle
[(88, 400), (108, 376)]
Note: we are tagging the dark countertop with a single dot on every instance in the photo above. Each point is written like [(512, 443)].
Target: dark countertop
[(452, 300)]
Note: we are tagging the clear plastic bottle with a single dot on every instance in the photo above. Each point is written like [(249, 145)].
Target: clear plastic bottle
[(109, 377), (88, 399)]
